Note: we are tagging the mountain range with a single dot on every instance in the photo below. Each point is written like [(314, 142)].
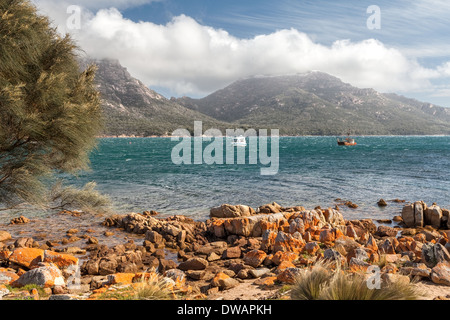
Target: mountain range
[(313, 103)]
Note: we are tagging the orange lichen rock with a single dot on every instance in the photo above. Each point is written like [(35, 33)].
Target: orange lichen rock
[(280, 256), (5, 254), (218, 228), (61, 260), (287, 243), (7, 277), (27, 257), (255, 258), (284, 265), (372, 244), (327, 236), (268, 240), (220, 276), (289, 275), (122, 278)]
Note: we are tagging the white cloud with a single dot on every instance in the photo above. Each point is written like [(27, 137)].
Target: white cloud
[(192, 59)]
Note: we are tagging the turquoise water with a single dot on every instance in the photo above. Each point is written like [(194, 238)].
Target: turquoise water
[(138, 174)]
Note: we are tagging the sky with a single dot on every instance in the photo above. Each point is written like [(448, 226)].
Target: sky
[(195, 47)]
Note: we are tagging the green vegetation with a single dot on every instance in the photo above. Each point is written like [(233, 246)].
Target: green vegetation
[(87, 198), (50, 111), (28, 288)]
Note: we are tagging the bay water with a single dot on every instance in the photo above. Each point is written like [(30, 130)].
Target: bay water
[(138, 174)]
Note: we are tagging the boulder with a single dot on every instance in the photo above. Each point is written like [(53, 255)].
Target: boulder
[(3, 291), (385, 231), (121, 278), (91, 267), (327, 236), (175, 274), (270, 208), (391, 278), (289, 275), (440, 274), (7, 277), (213, 257), (416, 269), (313, 218), (334, 217), (286, 242), (230, 211), (408, 215), (4, 236), (25, 243), (258, 273), (312, 247), (46, 275), (221, 276), (359, 254), (61, 260), (196, 274), (193, 264), (433, 216), (27, 257), (372, 244), (228, 283), (281, 256), (333, 256), (296, 225), (434, 254), (153, 236), (232, 253), (419, 208), (240, 226), (20, 220), (171, 230), (446, 215), (251, 226), (107, 266), (364, 226), (357, 265), (255, 258), (387, 247)]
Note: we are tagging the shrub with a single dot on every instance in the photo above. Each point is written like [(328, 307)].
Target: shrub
[(320, 283)]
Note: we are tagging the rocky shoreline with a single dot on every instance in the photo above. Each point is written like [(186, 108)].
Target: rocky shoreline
[(238, 253)]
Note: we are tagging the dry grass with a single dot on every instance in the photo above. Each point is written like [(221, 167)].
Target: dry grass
[(155, 288), (320, 283)]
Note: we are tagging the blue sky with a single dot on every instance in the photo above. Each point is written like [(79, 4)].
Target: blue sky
[(231, 39), (404, 23)]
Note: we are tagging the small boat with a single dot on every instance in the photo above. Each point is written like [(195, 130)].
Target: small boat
[(239, 141), (347, 141)]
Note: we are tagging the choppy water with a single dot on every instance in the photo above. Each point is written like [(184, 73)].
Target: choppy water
[(138, 174)]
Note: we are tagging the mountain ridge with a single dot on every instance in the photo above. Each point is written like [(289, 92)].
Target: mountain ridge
[(132, 109), (313, 103), (319, 104)]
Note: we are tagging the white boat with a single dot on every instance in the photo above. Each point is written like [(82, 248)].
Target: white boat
[(239, 141)]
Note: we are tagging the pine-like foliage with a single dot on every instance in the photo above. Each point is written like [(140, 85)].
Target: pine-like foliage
[(50, 112)]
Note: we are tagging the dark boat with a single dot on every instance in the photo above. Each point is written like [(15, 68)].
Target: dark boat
[(347, 141)]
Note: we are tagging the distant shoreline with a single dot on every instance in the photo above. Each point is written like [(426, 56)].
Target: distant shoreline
[(281, 136)]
